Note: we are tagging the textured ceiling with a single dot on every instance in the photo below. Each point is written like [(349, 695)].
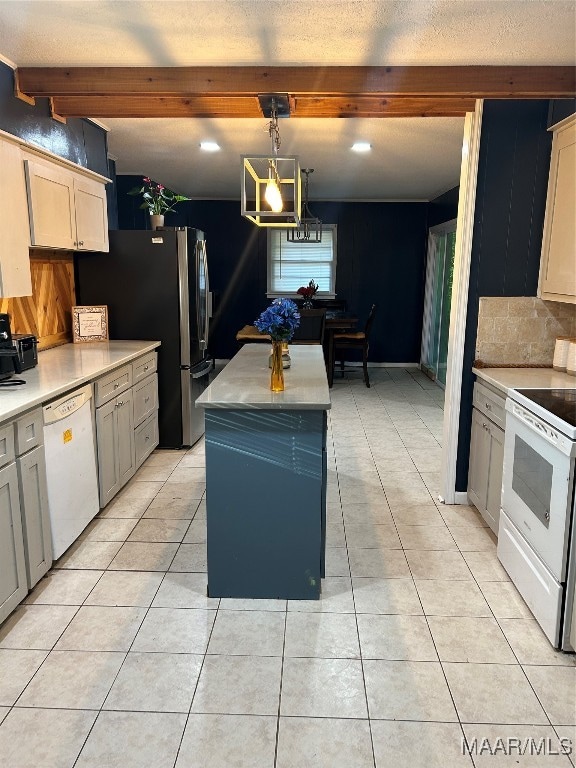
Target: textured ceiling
[(412, 159)]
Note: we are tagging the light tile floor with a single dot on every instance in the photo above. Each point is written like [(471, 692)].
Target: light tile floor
[(118, 659)]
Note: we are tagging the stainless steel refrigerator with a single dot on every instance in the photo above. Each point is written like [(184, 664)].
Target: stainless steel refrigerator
[(155, 284)]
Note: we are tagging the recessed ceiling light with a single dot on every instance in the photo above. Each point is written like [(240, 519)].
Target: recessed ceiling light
[(209, 146), (361, 146)]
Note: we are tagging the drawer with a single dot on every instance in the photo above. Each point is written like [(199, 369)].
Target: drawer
[(7, 453), (29, 431), (490, 404), (145, 399), (113, 384), (143, 367), (146, 438)]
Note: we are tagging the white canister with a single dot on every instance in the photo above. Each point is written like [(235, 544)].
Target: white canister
[(571, 361), (561, 349)]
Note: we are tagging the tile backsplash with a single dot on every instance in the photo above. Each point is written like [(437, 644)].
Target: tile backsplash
[(521, 330)]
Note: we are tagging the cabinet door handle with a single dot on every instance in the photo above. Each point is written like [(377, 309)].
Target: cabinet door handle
[(116, 385), (119, 404), (488, 407), (80, 242), (146, 399), (146, 367), (147, 438)]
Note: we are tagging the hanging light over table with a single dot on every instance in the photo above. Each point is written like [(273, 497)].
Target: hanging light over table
[(310, 228), (271, 185)]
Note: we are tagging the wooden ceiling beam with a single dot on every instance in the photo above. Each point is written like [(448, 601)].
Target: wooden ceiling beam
[(492, 82), (236, 106)]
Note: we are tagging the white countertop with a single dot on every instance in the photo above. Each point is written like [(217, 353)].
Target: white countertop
[(505, 379), (64, 368), (245, 381)]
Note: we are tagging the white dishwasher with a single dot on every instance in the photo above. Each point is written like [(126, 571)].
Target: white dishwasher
[(70, 467)]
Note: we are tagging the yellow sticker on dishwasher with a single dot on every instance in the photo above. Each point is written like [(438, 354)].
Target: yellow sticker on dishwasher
[(67, 435)]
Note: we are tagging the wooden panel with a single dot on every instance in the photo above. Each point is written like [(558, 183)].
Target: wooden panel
[(476, 81), (378, 106), (48, 312), (158, 106), (247, 106)]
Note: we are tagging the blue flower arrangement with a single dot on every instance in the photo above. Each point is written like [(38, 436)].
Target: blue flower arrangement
[(280, 320)]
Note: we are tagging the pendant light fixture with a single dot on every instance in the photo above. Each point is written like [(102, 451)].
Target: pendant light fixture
[(310, 227), (271, 185)]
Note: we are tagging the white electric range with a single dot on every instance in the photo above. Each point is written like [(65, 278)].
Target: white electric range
[(536, 538)]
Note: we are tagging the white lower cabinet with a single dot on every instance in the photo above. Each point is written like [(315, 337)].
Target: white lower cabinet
[(126, 423), (486, 455), (13, 583), (25, 541), (127, 433), (115, 440), (35, 516), (145, 413), (31, 464), (146, 438)]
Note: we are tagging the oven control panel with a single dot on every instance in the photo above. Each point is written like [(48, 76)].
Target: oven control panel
[(550, 434)]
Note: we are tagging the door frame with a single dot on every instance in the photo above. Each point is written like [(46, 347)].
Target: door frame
[(459, 305)]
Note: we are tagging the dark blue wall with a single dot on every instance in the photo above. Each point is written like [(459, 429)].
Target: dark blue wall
[(511, 190), (443, 208), (78, 140), (560, 109), (381, 258)]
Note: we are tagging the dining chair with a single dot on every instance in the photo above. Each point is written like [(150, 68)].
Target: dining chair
[(355, 340), (311, 328)]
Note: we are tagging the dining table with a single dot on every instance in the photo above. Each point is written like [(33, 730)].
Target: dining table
[(336, 320)]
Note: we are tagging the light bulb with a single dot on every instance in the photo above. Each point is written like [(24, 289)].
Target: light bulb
[(272, 195)]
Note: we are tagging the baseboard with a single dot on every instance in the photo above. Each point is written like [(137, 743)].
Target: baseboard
[(460, 497), (355, 364)]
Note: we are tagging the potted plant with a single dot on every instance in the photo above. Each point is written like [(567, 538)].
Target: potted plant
[(279, 320), (308, 292), (157, 199)]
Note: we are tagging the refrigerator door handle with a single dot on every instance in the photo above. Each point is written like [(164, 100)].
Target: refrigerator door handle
[(184, 296), (208, 294), (197, 287)]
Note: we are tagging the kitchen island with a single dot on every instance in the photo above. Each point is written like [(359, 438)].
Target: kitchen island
[(266, 476)]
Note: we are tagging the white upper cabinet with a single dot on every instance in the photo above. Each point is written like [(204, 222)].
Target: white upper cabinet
[(15, 277), (558, 261), (51, 205), (91, 215), (67, 210)]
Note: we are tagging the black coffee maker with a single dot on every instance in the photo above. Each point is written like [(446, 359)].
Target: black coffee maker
[(9, 360)]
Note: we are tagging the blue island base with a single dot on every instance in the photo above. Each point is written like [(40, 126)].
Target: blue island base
[(266, 503)]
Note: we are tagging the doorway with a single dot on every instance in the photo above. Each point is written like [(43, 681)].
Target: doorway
[(437, 301)]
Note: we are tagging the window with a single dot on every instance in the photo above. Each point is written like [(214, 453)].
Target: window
[(291, 265)]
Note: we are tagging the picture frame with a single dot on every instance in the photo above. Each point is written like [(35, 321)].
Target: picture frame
[(89, 324)]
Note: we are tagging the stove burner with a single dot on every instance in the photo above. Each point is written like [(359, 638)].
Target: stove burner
[(560, 402)]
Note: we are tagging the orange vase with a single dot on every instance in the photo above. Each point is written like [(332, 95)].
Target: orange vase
[(277, 375)]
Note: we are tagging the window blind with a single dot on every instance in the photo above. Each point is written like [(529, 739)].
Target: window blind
[(291, 265)]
